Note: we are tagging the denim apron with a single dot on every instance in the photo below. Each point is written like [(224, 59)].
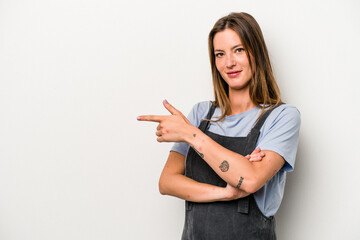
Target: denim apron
[(225, 220)]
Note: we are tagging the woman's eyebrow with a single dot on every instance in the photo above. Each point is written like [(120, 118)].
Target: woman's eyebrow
[(236, 46)]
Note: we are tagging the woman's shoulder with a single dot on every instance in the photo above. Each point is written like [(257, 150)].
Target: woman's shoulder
[(287, 110), (285, 113)]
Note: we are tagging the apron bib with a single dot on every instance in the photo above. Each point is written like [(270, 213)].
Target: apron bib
[(225, 220)]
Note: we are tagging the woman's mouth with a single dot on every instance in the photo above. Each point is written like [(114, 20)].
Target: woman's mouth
[(234, 73)]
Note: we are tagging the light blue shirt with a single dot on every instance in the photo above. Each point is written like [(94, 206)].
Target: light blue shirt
[(279, 133)]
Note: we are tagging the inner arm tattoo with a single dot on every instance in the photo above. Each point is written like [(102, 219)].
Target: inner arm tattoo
[(240, 182), (224, 166)]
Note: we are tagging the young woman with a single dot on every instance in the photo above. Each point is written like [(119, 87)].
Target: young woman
[(227, 196)]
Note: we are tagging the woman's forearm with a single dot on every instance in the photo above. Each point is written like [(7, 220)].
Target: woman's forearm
[(180, 186), (173, 182)]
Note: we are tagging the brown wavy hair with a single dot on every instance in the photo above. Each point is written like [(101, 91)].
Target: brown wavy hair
[(264, 91)]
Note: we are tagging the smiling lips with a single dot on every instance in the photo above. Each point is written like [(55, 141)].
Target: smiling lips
[(233, 74)]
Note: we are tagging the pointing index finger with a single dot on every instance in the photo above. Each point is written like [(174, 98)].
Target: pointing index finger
[(151, 118)]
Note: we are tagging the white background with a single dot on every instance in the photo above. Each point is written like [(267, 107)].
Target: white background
[(74, 74)]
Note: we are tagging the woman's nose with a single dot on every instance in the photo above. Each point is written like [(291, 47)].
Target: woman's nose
[(230, 61)]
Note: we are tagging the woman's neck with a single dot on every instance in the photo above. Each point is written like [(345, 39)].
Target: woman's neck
[(240, 101)]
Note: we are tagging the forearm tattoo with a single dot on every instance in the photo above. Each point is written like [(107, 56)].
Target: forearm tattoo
[(240, 182), (197, 151), (224, 166), (200, 154)]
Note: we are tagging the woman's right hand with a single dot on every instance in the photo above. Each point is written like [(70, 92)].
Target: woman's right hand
[(232, 193)]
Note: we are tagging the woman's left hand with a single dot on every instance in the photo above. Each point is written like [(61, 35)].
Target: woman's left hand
[(171, 128), (256, 156)]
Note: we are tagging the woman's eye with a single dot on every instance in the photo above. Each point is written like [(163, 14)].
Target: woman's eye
[(240, 50), (219, 54)]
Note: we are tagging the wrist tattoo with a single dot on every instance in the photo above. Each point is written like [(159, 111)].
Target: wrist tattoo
[(240, 182), (224, 166), (200, 154)]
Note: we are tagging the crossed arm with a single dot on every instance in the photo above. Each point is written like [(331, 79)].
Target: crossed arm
[(243, 176), (173, 182)]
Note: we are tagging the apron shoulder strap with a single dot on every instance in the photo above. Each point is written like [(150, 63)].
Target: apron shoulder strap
[(204, 124), (263, 117), (255, 131)]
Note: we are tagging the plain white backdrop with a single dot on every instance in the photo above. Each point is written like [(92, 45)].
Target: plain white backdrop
[(74, 74)]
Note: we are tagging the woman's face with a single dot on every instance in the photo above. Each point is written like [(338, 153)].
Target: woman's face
[(231, 60)]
